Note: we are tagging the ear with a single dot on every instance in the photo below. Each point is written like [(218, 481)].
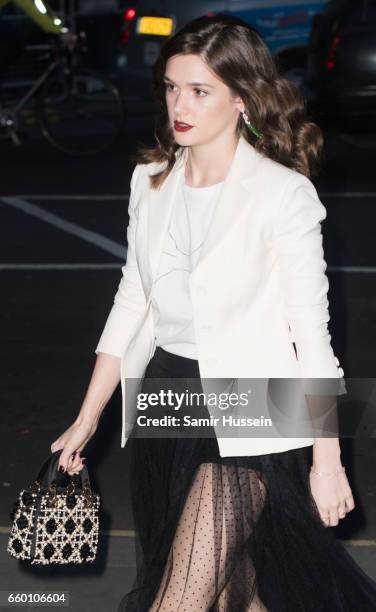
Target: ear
[(239, 104)]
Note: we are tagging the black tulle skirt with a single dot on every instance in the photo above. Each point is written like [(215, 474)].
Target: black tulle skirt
[(230, 534)]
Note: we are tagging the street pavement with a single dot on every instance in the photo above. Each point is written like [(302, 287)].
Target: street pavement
[(63, 241)]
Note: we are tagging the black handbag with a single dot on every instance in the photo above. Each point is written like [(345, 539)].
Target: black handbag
[(55, 524)]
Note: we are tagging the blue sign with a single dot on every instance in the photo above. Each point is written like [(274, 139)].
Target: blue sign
[(281, 24)]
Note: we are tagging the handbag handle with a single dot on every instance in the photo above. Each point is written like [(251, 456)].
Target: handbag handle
[(48, 474)]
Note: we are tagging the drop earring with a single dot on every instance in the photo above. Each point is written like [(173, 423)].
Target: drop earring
[(249, 125)]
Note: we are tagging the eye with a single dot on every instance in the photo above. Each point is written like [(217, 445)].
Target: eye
[(201, 91), (168, 86)]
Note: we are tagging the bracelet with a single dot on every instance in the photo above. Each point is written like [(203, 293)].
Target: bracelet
[(328, 473)]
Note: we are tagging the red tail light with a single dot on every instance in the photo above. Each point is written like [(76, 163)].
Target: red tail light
[(331, 57), (129, 14)]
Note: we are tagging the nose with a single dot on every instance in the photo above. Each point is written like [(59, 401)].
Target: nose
[(179, 105)]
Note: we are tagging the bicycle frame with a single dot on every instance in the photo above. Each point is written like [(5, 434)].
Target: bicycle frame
[(36, 86), (68, 79), (63, 58)]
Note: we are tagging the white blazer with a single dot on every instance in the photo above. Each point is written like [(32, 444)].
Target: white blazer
[(259, 285)]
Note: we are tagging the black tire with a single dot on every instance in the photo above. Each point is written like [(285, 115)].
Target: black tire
[(80, 111)]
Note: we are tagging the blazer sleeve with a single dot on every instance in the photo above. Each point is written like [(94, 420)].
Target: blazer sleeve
[(129, 301), (299, 244)]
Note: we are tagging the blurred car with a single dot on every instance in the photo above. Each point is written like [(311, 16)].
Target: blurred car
[(284, 25), (341, 66)]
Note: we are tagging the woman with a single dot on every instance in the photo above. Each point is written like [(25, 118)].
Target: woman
[(224, 271)]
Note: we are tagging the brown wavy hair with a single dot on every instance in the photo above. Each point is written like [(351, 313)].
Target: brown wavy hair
[(236, 53)]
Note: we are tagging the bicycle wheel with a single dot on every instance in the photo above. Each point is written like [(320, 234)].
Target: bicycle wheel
[(80, 111)]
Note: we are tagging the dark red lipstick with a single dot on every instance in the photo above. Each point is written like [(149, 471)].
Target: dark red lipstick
[(182, 127)]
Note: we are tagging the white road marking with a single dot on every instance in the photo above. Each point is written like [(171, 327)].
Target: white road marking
[(117, 266), (61, 266), (66, 226), (347, 194), (353, 269), (84, 197), (21, 203)]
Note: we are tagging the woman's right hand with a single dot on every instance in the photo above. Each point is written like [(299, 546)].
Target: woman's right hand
[(72, 441)]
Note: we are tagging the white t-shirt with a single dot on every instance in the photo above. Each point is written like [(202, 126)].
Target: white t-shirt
[(171, 299)]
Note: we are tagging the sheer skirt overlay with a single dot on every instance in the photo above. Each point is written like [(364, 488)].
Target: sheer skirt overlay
[(230, 534)]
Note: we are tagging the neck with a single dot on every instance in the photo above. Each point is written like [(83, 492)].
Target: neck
[(209, 163)]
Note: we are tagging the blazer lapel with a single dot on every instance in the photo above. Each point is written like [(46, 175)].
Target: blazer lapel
[(161, 203), (236, 193)]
